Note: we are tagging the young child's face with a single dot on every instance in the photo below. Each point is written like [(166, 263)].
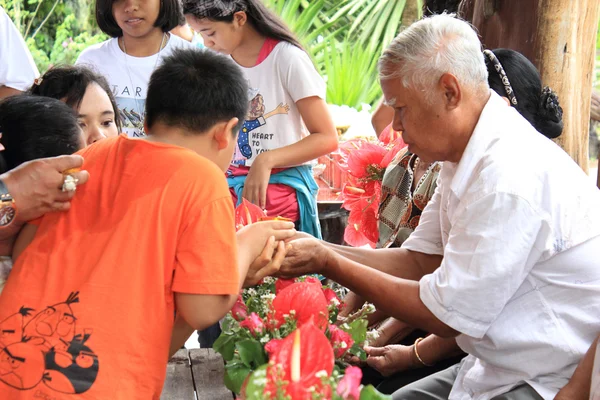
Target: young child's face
[(96, 115), (223, 37), (136, 18)]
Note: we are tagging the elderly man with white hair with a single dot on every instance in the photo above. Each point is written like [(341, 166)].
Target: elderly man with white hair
[(506, 255)]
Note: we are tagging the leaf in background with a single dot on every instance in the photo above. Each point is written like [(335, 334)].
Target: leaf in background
[(236, 373), (370, 393), (251, 353), (225, 345), (358, 330)]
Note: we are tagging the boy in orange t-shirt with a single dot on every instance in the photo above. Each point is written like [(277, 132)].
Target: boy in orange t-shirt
[(87, 312)]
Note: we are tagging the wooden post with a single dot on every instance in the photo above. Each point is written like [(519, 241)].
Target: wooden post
[(566, 48), (558, 36)]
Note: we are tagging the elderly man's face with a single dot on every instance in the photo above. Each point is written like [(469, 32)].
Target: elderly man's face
[(424, 125)]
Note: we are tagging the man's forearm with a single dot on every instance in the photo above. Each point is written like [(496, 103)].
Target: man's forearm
[(398, 297), (401, 263)]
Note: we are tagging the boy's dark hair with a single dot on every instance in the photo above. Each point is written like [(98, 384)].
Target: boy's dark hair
[(536, 104), (69, 83), (266, 22), (169, 17), (36, 127), (195, 89)]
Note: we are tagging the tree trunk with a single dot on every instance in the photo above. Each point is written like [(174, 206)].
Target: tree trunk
[(559, 37)]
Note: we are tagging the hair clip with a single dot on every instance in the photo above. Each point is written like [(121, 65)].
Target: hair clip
[(38, 81)]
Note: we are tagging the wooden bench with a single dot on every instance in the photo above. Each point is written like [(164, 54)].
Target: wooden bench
[(195, 374)]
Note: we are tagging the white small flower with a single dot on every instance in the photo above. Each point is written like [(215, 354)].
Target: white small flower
[(335, 302), (343, 345), (268, 296), (292, 312), (370, 308), (268, 280), (321, 374), (251, 292), (264, 339)]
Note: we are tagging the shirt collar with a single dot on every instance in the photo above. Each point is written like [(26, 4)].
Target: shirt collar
[(480, 139)]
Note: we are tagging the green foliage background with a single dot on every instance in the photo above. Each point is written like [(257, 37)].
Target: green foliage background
[(343, 37)]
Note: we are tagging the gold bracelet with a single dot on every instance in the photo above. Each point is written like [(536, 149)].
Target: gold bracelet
[(417, 353)]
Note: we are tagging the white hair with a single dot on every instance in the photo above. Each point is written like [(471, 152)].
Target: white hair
[(431, 47)]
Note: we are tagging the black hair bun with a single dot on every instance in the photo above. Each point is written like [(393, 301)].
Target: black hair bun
[(549, 118)]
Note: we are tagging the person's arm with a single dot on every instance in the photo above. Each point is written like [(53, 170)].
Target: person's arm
[(36, 189), (391, 359), (24, 238), (6, 91), (382, 117), (322, 140), (580, 383)]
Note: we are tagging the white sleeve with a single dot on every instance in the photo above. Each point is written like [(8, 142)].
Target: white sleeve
[(427, 237), (301, 77), (17, 68), (492, 246)]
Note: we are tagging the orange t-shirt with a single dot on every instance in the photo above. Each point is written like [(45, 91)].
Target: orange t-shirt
[(87, 311)]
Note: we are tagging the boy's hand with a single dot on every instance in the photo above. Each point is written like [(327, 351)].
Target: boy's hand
[(252, 238), (267, 263), (305, 256)]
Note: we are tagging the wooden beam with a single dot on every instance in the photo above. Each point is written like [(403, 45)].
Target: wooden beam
[(179, 384), (208, 370)]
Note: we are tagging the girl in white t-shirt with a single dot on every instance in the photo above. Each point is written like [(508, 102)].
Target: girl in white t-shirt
[(288, 124), (140, 39)]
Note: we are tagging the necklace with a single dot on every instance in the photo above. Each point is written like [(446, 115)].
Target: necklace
[(136, 116)]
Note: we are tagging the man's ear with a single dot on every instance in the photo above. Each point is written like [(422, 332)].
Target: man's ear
[(451, 90), (224, 133)]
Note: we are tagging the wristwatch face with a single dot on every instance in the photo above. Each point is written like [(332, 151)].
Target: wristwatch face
[(7, 214)]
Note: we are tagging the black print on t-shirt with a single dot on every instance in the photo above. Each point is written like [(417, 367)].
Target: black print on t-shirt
[(47, 348)]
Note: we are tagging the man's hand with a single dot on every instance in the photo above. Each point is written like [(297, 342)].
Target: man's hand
[(36, 186), (391, 359), (305, 256), (267, 263)]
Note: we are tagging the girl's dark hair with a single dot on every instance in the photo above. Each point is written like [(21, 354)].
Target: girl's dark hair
[(431, 7), (36, 127), (536, 104), (69, 83), (169, 17), (262, 19)]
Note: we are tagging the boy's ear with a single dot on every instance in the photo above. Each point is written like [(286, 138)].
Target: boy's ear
[(224, 133)]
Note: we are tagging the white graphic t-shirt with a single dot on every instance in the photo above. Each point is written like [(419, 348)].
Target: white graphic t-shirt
[(17, 69), (128, 77), (276, 84)]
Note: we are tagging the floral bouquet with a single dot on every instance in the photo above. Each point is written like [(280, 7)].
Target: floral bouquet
[(365, 162), (266, 315)]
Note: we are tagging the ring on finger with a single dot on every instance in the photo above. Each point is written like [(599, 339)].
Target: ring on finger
[(69, 183)]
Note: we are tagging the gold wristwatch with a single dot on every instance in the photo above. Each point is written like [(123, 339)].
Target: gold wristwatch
[(7, 206)]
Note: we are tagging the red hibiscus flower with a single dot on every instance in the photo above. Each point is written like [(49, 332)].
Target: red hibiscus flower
[(353, 235), (247, 213), (366, 162), (281, 284), (304, 301), (349, 386), (340, 340), (302, 359), (239, 310), (253, 323)]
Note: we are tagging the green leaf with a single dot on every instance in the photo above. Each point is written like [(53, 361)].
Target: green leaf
[(256, 384), (251, 353), (225, 345), (370, 393), (235, 375), (358, 330)]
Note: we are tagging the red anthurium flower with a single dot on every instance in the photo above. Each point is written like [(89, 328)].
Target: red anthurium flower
[(366, 162), (303, 300), (312, 279), (253, 323), (341, 341), (303, 359), (332, 297), (396, 146), (369, 226), (239, 310), (247, 213), (281, 284), (353, 234), (349, 386)]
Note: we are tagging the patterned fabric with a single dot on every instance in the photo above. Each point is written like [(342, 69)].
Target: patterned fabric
[(401, 208), (217, 8)]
